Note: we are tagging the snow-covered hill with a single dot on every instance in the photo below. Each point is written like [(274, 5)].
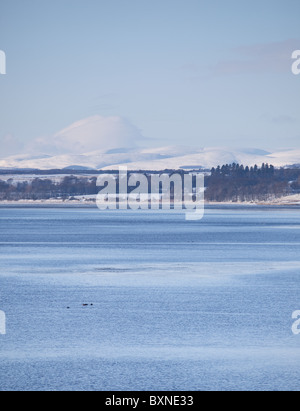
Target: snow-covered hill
[(173, 157)]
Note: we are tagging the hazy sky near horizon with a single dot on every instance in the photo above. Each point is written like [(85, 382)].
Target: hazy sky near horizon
[(176, 72)]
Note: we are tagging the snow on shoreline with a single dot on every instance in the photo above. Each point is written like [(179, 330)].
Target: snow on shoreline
[(89, 201)]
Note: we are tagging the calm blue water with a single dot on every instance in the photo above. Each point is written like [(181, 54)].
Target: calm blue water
[(176, 305)]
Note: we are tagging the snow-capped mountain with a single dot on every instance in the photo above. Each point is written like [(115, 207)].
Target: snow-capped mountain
[(98, 142), (172, 157)]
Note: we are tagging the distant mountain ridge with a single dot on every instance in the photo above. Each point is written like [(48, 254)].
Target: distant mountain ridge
[(170, 157)]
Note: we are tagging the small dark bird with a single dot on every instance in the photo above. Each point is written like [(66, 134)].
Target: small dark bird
[(84, 305)]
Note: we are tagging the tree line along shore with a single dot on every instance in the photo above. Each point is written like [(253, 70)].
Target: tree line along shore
[(227, 183)]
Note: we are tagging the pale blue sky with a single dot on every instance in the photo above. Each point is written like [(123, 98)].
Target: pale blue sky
[(204, 73)]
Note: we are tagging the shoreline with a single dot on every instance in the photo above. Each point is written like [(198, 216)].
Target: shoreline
[(280, 202)]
